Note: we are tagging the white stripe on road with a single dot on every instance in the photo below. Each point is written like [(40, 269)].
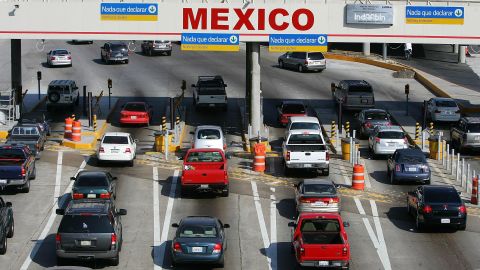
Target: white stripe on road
[(156, 221), (168, 217), (273, 231), (53, 214), (261, 221), (359, 205)]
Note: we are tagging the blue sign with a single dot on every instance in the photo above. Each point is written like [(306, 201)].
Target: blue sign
[(129, 11), (298, 42), (434, 15), (210, 42)]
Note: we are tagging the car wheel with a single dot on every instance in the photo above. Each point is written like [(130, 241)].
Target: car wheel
[(26, 187), (102, 58), (221, 263), (462, 227), (11, 230), (34, 173), (280, 64), (226, 191), (326, 172), (3, 250), (61, 261), (183, 192), (126, 61), (131, 163), (419, 225), (408, 207), (300, 68), (427, 182), (287, 171), (150, 52), (115, 261), (169, 53)]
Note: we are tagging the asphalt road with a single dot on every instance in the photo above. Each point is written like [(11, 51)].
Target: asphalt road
[(381, 234)]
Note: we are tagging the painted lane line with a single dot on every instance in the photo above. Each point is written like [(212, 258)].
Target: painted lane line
[(273, 230), (381, 240), (156, 221), (51, 219), (261, 221), (168, 217), (359, 205), (371, 234)]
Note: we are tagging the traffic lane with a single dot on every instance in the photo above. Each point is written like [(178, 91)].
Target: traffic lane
[(32, 210), (133, 194)]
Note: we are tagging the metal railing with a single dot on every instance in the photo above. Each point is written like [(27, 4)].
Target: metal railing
[(7, 109)]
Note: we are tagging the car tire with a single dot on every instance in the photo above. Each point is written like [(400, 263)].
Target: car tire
[(427, 182), (77, 102), (54, 97), (226, 191), (326, 172), (11, 229), (287, 171), (130, 163), (61, 261), (150, 53), (33, 175), (462, 227), (26, 187), (300, 69), (3, 250), (418, 225), (169, 53), (116, 260), (221, 263), (280, 64), (126, 61), (408, 208)]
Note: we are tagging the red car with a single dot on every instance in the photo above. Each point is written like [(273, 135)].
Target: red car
[(320, 240), (135, 113), (290, 108)]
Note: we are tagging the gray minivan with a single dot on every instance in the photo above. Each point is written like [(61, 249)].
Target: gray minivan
[(354, 94), (303, 61)]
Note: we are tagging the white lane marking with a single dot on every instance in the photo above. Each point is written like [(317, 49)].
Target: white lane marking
[(371, 233), (53, 214), (58, 177), (168, 217), (273, 230), (359, 205), (261, 221), (156, 221), (381, 240)]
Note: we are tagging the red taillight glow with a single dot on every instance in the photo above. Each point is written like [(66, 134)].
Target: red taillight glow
[(377, 140), (427, 209), (24, 172), (77, 196), (101, 150), (288, 156), (368, 124), (105, 196), (217, 248), (177, 247), (52, 58), (397, 168), (308, 200), (114, 239), (127, 150), (58, 239), (69, 57), (327, 156), (462, 209), (344, 251)]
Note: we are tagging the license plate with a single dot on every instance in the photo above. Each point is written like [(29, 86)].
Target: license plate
[(322, 263), (133, 117), (114, 151), (211, 105), (197, 249), (412, 169), (391, 144), (91, 196), (319, 204), (307, 165), (3, 182), (203, 186), (477, 138), (364, 100), (85, 243), (445, 220)]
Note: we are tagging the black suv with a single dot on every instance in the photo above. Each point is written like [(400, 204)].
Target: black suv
[(7, 226), (90, 229), (114, 52)]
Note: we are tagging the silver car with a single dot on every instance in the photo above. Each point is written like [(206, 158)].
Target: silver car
[(368, 119), (59, 57), (303, 61), (317, 195), (466, 134), (386, 139), (209, 137), (442, 110), (151, 47)]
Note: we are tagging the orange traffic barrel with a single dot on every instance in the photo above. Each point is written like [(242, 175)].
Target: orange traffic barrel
[(76, 131), (68, 128), (259, 158), (474, 199), (358, 178)]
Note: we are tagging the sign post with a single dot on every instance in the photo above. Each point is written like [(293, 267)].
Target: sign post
[(109, 84), (39, 78)]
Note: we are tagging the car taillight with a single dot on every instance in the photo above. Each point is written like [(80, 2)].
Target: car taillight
[(397, 168), (217, 248), (225, 176), (427, 209), (377, 140), (58, 239), (24, 172), (105, 196), (344, 251), (327, 156), (288, 156), (425, 168), (462, 209), (405, 139), (69, 57), (127, 150), (52, 58), (308, 200), (101, 150), (368, 124), (302, 251), (77, 196), (334, 200), (177, 247), (113, 239)]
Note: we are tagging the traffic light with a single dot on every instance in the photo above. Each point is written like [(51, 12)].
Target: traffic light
[(184, 85), (109, 83), (407, 89), (39, 75)]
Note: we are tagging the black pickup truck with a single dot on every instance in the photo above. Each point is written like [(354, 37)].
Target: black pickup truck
[(17, 166), (31, 135), (7, 227)]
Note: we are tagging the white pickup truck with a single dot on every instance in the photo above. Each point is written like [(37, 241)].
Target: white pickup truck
[(305, 149)]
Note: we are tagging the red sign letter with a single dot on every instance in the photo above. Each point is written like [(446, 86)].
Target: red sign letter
[(272, 19), (216, 18), (190, 19), (261, 19), (243, 19), (296, 22)]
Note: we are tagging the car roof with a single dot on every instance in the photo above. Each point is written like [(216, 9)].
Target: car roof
[(304, 119), (117, 134), (389, 128), (26, 125), (199, 220), (356, 82), (305, 131), (94, 206), (443, 98), (60, 49), (314, 181), (308, 215), (410, 151), (210, 77), (61, 82), (374, 110), (472, 119), (208, 127)]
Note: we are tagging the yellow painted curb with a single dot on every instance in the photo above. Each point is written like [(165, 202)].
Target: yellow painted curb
[(3, 134), (87, 146)]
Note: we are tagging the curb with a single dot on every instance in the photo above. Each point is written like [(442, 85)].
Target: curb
[(87, 146)]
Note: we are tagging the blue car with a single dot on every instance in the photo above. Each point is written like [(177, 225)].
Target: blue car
[(408, 165), (199, 240)]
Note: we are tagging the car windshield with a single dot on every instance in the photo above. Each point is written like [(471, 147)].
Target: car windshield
[(135, 107), (208, 134), (376, 116), (293, 109), (446, 103), (10, 153), (319, 189), (205, 157), (441, 195), (315, 56), (84, 223), (360, 89), (411, 159), (473, 128), (115, 140), (91, 181), (59, 52), (118, 47), (314, 126), (198, 231), (305, 139), (390, 135)]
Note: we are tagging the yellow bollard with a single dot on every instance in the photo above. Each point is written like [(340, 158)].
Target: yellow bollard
[(431, 129), (164, 123), (333, 133), (347, 127), (177, 121), (94, 122), (417, 133)]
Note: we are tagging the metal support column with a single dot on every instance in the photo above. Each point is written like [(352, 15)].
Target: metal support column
[(384, 51), (248, 83), (461, 54), (16, 71), (366, 48), (255, 94)]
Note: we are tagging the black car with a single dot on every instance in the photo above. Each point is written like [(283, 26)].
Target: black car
[(408, 164), (94, 184), (437, 205), (7, 225), (199, 239), (90, 229)]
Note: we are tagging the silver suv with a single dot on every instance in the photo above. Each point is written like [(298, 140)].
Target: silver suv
[(466, 134), (62, 93), (303, 61), (114, 52), (151, 47)]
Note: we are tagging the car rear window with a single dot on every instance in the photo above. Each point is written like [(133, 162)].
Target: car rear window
[(360, 89), (118, 47), (205, 157), (305, 139), (411, 159), (115, 140), (198, 231), (316, 56), (390, 135), (85, 224), (320, 225), (91, 181), (161, 41), (376, 116), (293, 109), (474, 128), (304, 126), (135, 107), (59, 89), (59, 52), (319, 189), (446, 103), (438, 195), (208, 134), (25, 131), (10, 153)]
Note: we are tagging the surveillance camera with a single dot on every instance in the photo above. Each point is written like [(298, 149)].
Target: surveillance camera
[(17, 6)]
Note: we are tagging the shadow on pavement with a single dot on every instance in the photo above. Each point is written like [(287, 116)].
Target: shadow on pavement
[(286, 208)]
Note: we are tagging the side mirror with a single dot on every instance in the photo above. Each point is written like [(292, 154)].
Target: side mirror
[(192, 133), (193, 85), (114, 178), (8, 204), (175, 225), (135, 141), (122, 212), (102, 47), (226, 226), (346, 224), (72, 178), (225, 85), (60, 212), (292, 224)]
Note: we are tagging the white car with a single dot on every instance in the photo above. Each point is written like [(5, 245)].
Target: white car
[(443, 110), (117, 146), (386, 139), (209, 137), (59, 57), (302, 122)]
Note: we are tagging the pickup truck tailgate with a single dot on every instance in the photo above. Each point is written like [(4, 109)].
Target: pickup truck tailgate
[(307, 153), (210, 173), (11, 169)]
